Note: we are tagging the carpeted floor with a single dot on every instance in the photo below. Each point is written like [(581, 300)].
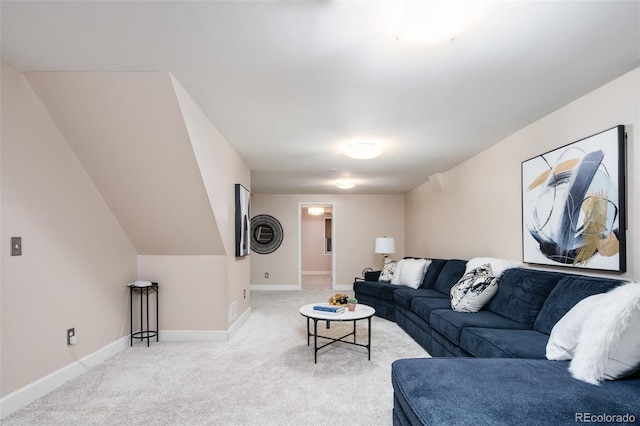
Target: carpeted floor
[(264, 376)]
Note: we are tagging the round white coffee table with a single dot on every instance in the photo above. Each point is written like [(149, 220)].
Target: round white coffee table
[(361, 312)]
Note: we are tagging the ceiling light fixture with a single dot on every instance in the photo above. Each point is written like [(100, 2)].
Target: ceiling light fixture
[(434, 21), (346, 183), (363, 149), (315, 211)]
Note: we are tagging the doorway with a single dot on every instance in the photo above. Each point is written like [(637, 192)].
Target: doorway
[(317, 245)]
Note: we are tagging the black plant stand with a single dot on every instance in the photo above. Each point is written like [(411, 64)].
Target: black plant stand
[(144, 295)]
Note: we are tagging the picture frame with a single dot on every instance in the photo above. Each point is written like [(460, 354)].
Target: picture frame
[(574, 204), (243, 222)]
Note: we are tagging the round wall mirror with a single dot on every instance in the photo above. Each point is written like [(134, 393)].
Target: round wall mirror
[(266, 234)]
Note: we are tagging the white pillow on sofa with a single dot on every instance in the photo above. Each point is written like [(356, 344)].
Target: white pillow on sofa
[(388, 269), (498, 266), (609, 345), (566, 332), (410, 272), (474, 290)]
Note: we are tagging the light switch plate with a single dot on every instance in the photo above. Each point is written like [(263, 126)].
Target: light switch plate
[(16, 246)]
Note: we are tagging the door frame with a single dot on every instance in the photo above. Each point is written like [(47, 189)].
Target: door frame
[(302, 204)]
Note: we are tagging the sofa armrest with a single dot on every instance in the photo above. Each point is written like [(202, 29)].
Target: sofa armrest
[(372, 275)]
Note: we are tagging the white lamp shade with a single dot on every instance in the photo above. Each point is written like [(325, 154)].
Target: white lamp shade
[(385, 245)]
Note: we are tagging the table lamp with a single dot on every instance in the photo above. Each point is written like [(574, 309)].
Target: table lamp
[(385, 246)]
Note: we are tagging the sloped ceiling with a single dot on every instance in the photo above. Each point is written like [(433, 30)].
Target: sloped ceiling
[(127, 130), (288, 83)]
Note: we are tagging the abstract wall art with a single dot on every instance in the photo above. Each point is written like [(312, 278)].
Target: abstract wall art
[(573, 204), (243, 225)]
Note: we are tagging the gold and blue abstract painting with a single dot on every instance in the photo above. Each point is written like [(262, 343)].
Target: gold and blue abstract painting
[(573, 204)]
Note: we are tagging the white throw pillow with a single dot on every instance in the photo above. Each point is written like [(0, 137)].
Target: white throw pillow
[(474, 290), (498, 266), (387, 270), (565, 333), (609, 345), (410, 272)]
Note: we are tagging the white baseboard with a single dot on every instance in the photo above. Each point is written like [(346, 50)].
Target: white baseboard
[(204, 335), (344, 287), (283, 287), (26, 395), (269, 287)]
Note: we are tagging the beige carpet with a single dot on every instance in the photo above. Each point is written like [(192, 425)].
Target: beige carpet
[(264, 376)]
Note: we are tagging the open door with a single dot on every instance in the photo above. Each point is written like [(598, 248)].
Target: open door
[(316, 246)]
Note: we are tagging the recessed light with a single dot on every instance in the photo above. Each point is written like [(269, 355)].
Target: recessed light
[(364, 149), (346, 183)]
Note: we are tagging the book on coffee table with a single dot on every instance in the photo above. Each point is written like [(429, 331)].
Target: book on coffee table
[(329, 309)]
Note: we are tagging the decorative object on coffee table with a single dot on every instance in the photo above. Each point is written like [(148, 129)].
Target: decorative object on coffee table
[(351, 303), (338, 299)]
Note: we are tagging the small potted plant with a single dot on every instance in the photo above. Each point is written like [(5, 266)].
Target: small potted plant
[(351, 303)]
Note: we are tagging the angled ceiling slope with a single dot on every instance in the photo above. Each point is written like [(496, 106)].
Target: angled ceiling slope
[(127, 131)]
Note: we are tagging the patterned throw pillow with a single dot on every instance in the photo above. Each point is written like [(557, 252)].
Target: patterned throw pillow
[(387, 270), (474, 290)]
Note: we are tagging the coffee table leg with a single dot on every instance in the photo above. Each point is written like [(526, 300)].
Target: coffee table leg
[(369, 338), (315, 341), (354, 331), (308, 333)]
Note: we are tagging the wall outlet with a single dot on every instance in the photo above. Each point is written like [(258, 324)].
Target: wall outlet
[(16, 246), (266, 275), (244, 294), (71, 334)]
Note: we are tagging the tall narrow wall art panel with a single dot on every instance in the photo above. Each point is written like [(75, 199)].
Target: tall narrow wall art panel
[(243, 242), (573, 204)]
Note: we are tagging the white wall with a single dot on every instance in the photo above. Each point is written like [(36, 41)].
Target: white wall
[(76, 258), (479, 211), (357, 221)]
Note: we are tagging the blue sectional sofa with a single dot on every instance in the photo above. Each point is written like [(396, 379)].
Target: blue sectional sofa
[(490, 367)]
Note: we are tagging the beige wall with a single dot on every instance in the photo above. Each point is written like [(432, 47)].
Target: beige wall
[(221, 168), (312, 244), (479, 211), (191, 290), (358, 220), (127, 130), (76, 258)]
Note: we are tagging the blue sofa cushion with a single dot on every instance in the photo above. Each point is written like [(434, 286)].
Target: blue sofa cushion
[(504, 343), (521, 294), (422, 306), (451, 323), (450, 274), (567, 293), (403, 296), (473, 391), (377, 289), (433, 271)]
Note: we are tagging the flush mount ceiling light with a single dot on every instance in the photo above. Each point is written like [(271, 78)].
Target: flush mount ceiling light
[(346, 183), (364, 149), (433, 21), (315, 211)]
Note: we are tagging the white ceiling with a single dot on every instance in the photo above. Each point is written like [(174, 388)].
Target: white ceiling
[(289, 82)]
